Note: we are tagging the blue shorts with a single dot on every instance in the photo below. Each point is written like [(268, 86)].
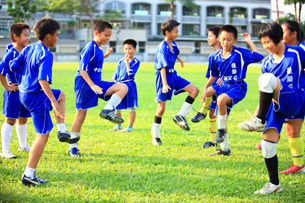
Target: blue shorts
[(40, 106), (131, 98), (290, 107), (85, 98), (12, 107), (213, 104), (175, 82), (236, 91)]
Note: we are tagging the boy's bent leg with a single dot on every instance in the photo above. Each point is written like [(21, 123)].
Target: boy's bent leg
[(222, 102)]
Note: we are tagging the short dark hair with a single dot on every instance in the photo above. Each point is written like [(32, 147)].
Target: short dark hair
[(102, 25), (229, 28), (44, 26), (16, 29), (272, 30), (130, 42), (169, 26), (215, 30), (294, 26)]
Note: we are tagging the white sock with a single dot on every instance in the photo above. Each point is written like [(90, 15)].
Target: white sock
[(155, 130), (6, 134), (61, 127), (21, 133), (29, 172), (74, 135), (225, 144), (185, 109), (113, 102), (221, 121)]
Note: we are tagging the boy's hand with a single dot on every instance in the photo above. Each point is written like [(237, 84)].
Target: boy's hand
[(182, 63), (127, 58), (246, 37), (203, 96), (96, 89), (166, 88), (58, 110), (108, 52), (219, 81), (12, 87)]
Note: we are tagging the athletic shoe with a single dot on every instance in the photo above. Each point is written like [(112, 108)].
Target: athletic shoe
[(208, 144), (111, 116), (156, 141), (35, 181), (63, 136), (294, 169), (220, 136), (198, 117), (126, 130), (24, 149), (269, 188), (181, 122), (259, 145), (221, 152), (7, 154), (254, 124), (115, 128), (74, 152)]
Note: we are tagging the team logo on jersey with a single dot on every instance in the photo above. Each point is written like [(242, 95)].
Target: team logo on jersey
[(289, 71), (98, 70), (233, 65)]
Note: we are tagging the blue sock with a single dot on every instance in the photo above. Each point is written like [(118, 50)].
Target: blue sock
[(129, 128), (119, 126)]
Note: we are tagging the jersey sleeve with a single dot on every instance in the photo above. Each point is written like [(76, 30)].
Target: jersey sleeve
[(134, 67), (116, 74), (4, 64), (213, 67), (209, 67), (161, 59), (45, 68), (85, 58), (17, 63), (252, 57)]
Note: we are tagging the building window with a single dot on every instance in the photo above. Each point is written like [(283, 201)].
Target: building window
[(146, 26), (261, 13), (141, 47), (112, 45), (194, 11), (215, 11), (238, 12), (164, 10), (141, 9), (159, 32), (5, 24), (115, 6), (191, 29)]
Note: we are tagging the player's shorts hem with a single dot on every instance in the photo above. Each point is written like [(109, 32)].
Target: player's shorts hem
[(272, 128)]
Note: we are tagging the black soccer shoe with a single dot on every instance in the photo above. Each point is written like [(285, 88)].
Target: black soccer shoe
[(63, 136), (181, 122), (110, 115), (156, 141), (198, 117), (220, 136), (221, 152), (209, 144), (29, 181)]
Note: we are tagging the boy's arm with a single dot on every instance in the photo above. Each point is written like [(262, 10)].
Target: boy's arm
[(205, 88), (127, 60), (181, 61), (47, 90), (247, 39), (108, 52), (165, 87), (11, 88), (96, 89)]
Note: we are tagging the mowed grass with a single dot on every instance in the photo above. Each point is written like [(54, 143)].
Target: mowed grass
[(117, 167)]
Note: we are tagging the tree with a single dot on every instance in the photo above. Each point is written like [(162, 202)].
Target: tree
[(297, 13), (187, 3), (277, 12), (21, 10)]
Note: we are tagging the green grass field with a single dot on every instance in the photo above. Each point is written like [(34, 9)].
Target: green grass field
[(117, 167)]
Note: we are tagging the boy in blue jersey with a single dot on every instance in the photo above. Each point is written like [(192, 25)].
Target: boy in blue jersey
[(168, 82), (12, 107), (230, 65), (88, 84), (36, 95), (125, 73)]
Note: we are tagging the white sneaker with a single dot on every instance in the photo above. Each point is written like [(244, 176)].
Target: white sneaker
[(126, 130), (7, 154), (269, 188), (115, 128), (24, 149), (254, 124)]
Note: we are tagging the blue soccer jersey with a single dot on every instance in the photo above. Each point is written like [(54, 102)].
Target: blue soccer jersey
[(8, 47), (121, 70), (91, 59), (302, 44), (209, 65), (12, 77), (165, 57), (36, 63), (234, 67), (290, 69)]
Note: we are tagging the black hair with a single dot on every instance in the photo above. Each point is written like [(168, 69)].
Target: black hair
[(230, 29), (44, 26), (294, 26), (130, 42), (102, 25), (169, 26), (16, 29), (272, 30), (215, 30)]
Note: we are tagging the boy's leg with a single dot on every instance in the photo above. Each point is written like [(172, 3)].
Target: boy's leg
[(6, 134), (222, 102), (202, 113), (212, 130), (21, 129), (118, 127), (132, 117), (156, 126)]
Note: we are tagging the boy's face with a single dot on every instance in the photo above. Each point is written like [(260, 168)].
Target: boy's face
[(212, 39), (23, 39), (103, 37), (269, 45), (129, 50), (53, 39), (227, 40), (173, 35), (288, 36)]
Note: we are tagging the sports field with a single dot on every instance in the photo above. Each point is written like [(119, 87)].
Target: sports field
[(117, 167)]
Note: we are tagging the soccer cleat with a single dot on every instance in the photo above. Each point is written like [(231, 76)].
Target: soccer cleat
[(29, 181), (254, 124), (24, 149), (269, 188), (156, 141), (7, 154), (198, 117), (111, 116), (126, 130), (220, 136), (74, 152), (294, 169), (208, 144), (115, 128), (259, 145), (181, 122), (221, 152), (66, 137)]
